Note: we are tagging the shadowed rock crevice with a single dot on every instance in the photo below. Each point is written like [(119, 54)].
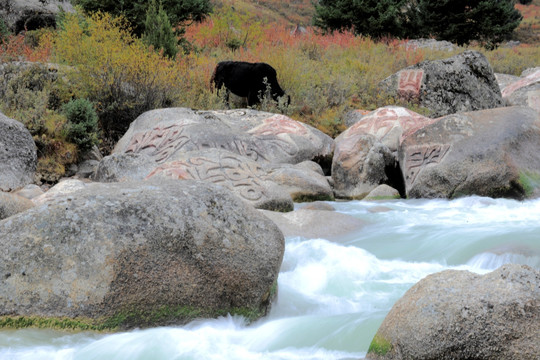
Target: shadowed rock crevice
[(395, 178)]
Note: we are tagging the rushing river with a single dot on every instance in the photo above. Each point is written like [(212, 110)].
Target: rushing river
[(333, 295)]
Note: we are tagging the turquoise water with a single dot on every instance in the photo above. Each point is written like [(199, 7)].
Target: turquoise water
[(333, 295)]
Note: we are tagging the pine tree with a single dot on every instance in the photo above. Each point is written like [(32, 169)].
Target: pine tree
[(375, 18), (461, 21), (158, 31)]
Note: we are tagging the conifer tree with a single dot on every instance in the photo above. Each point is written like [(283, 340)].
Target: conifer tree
[(158, 31), (375, 18), (461, 21)]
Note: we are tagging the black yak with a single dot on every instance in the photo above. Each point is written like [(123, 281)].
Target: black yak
[(248, 80)]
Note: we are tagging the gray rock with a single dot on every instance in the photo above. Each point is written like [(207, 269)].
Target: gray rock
[(360, 165), (64, 187), (462, 83), (301, 182), (491, 153), (124, 167), (18, 155), (461, 315), (261, 136), (22, 15), (313, 224), (11, 204), (382, 192), (525, 91), (318, 205), (30, 191), (429, 44), (87, 168), (139, 254)]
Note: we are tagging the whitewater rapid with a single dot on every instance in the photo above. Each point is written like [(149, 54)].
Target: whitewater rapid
[(332, 295)]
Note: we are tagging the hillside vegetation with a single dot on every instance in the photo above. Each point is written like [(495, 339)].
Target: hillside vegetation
[(325, 75)]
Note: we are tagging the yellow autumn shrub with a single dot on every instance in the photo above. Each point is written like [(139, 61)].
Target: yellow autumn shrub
[(115, 70)]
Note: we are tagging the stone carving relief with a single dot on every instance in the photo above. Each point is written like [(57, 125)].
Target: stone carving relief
[(244, 178), (161, 142), (279, 124), (410, 82), (418, 157)]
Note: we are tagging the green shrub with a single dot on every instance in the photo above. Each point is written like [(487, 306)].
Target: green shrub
[(82, 124)]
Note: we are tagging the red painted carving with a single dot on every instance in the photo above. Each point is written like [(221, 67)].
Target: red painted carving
[(279, 124), (526, 81), (244, 178), (381, 121), (409, 83)]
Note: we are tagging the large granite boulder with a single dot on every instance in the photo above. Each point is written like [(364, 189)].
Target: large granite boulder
[(263, 137), (490, 153), (20, 15), (137, 254), (389, 125), (360, 164), (525, 91), (462, 83), (18, 155), (303, 182), (456, 315)]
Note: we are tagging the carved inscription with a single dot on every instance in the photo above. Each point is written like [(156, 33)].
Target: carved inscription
[(382, 121), (159, 142), (418, 157), (244, 178), (409, 83), (279, 124)]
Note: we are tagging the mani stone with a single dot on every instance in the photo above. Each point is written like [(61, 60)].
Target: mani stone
[(462, 83), (492, 153)]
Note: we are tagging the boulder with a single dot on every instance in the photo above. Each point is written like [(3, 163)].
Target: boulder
[(315, 224), (360, 164), (137, 254), (21, 15), (301, 182), (389, 125), (525, 91), (30, 191), (461, 315), (124, 167), (382, 192), (462, 83), (64, 187), (240, 175), (263, 137), (11, 204), (491, 153), (18, 155)]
